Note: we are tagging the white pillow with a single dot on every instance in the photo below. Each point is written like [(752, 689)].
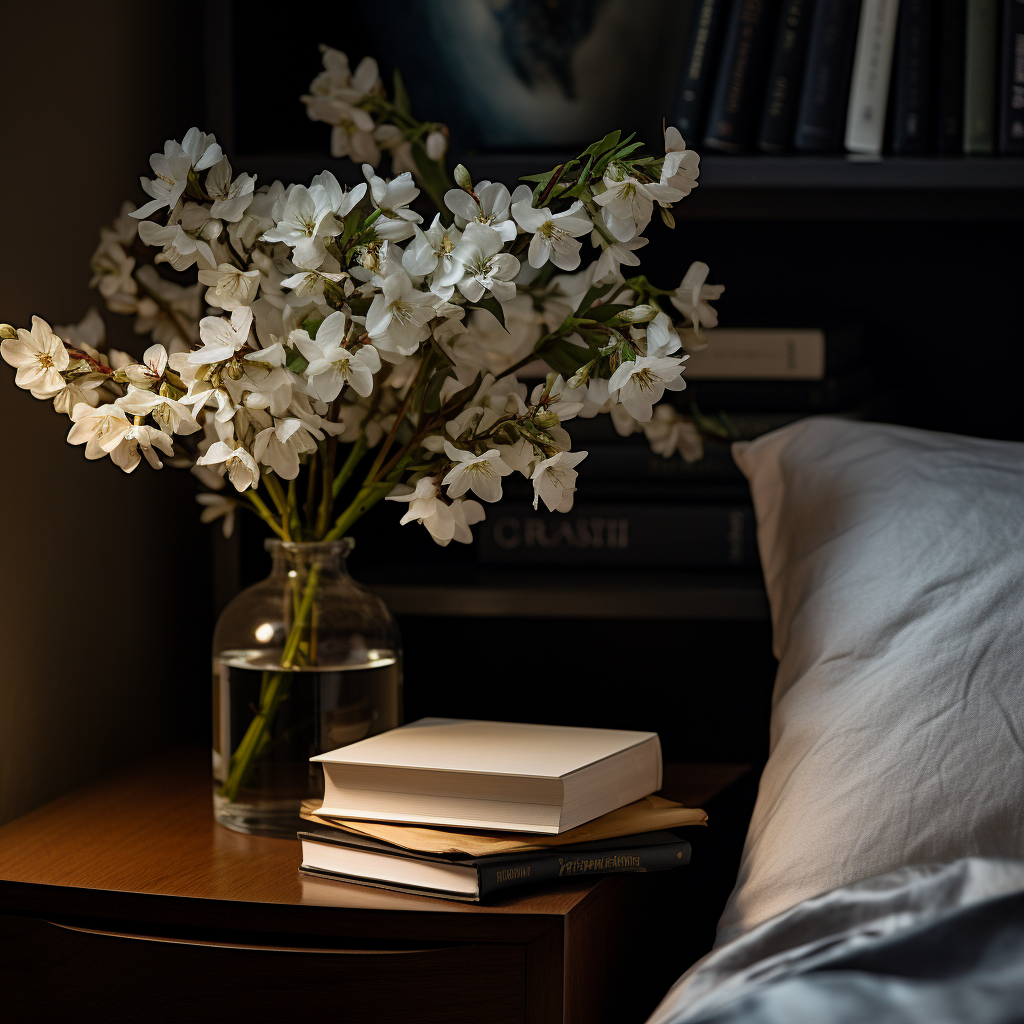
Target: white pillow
[(894, 562)]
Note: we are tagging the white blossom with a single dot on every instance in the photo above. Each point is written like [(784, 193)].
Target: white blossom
[(491, 206), (554, 480), (629, 203), (230, 198), (229, 286), (280, 446), (197, 151), (39, 356), (642, 382), (392, 198), (216, 506), (479, 473), (307, 216), (554, 234), (692, 296), (242, 470), (681, 166), (222, 338), (398, 316), (668, 433), (171, 416), (101, 430), (331, 365), (479, 265), (614, 254)]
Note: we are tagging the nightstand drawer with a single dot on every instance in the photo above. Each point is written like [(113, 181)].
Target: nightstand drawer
[(57, 971)]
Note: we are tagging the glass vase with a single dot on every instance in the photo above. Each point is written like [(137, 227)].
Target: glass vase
[(306, 661)]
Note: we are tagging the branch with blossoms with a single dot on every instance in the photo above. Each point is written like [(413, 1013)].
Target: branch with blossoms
[(315, 350)]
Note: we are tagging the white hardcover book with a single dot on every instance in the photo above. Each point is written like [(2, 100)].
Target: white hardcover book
[(872, 67), (753, 354), (490, 775)]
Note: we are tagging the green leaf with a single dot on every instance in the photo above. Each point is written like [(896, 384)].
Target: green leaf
[(566, 358), (605, 312), (334, 294), (597, 148), (621, 154), (401, 97), (295, 362), (331, 245), (594, 292), (312, 324), (545, 177), (493, 306)]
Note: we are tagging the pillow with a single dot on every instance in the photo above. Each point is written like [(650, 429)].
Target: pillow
[(894, 563)]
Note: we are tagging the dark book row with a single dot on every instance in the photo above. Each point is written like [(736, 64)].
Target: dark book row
[(868, 76)]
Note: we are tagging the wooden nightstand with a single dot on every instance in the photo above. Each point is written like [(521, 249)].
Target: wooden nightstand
[(124, 901)]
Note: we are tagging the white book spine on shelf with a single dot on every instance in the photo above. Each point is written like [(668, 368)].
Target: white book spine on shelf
[(753, 354), (872, 67)]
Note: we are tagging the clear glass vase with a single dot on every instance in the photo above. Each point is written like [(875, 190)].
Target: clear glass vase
[(305, 661)]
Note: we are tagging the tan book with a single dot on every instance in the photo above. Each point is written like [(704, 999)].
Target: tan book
[(501, 776)]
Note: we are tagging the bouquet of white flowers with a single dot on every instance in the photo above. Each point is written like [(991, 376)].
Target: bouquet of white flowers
[(342, 331), (348, 353)]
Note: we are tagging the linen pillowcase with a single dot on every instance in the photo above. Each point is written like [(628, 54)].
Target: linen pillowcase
[(894, 564)]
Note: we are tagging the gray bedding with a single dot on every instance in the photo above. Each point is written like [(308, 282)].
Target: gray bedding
[(921, 945)]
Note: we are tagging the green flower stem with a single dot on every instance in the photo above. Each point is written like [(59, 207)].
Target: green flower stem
[(264, 513), (274, 689), (356, 453)]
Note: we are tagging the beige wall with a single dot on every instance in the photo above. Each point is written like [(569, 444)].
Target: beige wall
[(104, 621)]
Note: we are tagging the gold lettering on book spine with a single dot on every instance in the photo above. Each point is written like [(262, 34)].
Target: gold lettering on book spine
[(509, 873), (582, 866)]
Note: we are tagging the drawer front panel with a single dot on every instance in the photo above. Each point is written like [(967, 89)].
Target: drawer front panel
[(50, 972)]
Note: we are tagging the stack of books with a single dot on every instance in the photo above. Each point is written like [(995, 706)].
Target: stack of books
[(463, 809), (636, 508), (870, 76)]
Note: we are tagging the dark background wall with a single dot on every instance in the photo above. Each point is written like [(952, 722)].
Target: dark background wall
[(104, 615)]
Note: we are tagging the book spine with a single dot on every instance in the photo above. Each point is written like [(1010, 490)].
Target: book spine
[(533, 868), (911, 128), (980, 78), (872, 66), (822, 112), (621, 462), (785, 74), (698, 66), (816, 396), (732, 122), (606, 535), (950, 56), (1011, 81)]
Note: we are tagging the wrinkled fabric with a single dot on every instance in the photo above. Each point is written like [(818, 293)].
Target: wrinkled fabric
[(920, 945), (894, 564)]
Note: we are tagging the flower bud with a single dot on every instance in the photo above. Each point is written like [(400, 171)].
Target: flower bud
[(666, 216), (638, 314), (7, 332), (546, 419), (462, 178), (234, 370), (436, 145)]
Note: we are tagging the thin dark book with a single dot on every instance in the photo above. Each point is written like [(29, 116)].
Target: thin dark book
[(699, 62), (785, 76), (980, 78), (652, 534), (739, 86), (1011, 79), (347, 857), (950, 62), (821, 119), (912, 85)]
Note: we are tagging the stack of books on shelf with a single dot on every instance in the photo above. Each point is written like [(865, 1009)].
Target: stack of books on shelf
[(463, 809), (635, 508), (871, 76)]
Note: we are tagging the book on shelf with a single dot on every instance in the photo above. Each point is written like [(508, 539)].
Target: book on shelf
[(912, 76), (490, 775), (1011, 79), (609, 461), (833, 393), (699, 61), (601, 430), (365, 861), (980, 78), (869, 85), (785, 75), (737, 353), (656, 532), (950, 62), (821, 116), (739, 82)]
